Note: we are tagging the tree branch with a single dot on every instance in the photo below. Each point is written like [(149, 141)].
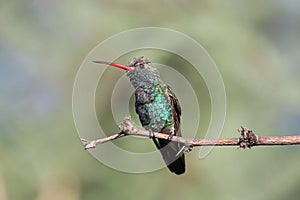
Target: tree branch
[(247, 139)]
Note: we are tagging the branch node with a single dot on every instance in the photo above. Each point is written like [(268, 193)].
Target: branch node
[(127, 126), (247, 139), (188, 148)]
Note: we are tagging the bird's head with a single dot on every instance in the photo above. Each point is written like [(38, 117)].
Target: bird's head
[(139, 70)]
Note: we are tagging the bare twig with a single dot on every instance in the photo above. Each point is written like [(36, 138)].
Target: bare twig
[(247, 139)]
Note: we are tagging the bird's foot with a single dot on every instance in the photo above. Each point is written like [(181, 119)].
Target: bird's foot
[(172, 134), (151, 134)]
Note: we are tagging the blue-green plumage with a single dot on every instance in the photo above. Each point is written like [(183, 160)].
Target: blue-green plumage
[(158, 109), (153, 107)]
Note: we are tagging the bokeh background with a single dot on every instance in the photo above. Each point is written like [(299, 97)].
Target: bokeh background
[(255, 45)]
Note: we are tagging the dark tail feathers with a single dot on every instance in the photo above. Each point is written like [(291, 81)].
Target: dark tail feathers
[(169, 150)]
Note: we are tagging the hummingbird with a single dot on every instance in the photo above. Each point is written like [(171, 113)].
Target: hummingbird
[(158, 109)]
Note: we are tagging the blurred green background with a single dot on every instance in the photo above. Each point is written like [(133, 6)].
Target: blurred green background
[(255, 44)]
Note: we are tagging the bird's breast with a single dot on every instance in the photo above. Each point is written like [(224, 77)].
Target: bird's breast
[(153, 108)]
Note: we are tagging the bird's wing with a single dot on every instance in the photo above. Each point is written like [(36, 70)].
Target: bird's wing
[(176, 109), (170, 149)]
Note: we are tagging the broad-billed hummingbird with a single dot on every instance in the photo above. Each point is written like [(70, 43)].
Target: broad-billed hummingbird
[(158, 109)]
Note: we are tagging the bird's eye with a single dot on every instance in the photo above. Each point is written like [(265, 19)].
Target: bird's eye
[(142, 66)]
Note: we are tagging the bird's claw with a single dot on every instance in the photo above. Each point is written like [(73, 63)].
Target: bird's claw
[(151, 134), (171, 136)]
